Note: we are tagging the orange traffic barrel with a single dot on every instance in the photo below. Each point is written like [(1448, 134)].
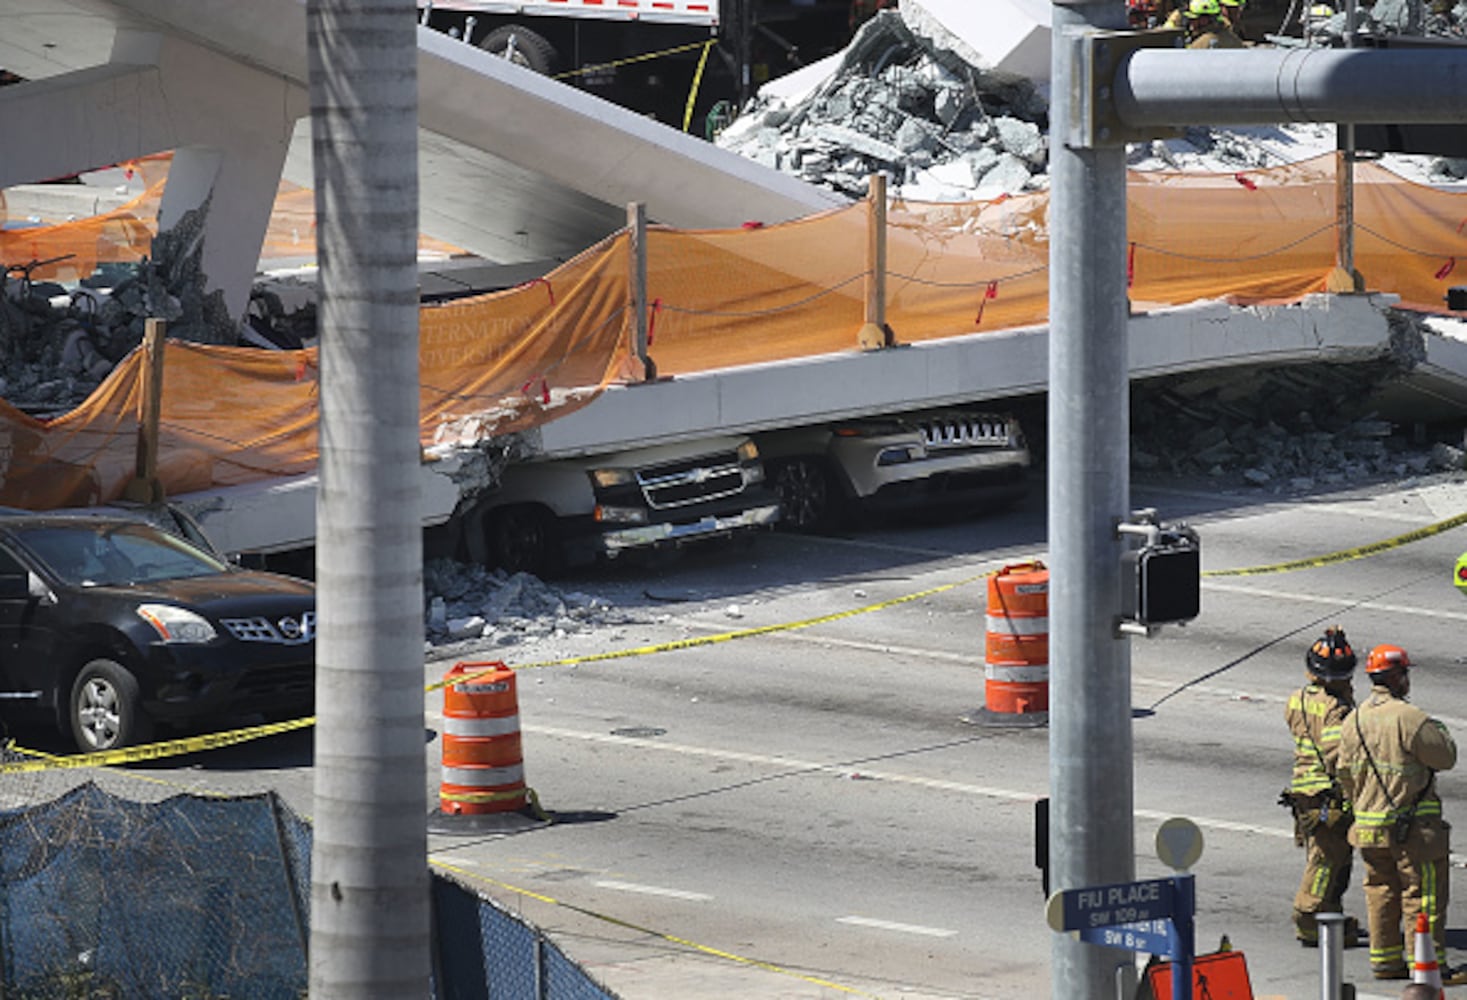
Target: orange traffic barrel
[(1016, 644), (483, 769)]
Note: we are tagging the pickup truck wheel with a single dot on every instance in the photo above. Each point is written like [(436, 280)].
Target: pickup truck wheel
[(524, 539), (808, 497), (530, 48), (106, 710)]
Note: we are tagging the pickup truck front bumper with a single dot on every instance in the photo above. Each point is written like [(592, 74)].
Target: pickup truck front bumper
[(650, 536)]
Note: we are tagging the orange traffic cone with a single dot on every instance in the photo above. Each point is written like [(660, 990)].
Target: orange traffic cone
[(1425, 968)]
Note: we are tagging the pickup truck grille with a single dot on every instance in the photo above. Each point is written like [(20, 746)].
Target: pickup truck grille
[(692, 480), (978, 431)]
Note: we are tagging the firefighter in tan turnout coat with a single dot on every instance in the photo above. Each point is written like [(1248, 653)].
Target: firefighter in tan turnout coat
[(1390, 751), (1321, 812)]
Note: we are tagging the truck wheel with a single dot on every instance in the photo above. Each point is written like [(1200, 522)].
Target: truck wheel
[(809, 499), (524, 539), (106, 711), (523, 47)]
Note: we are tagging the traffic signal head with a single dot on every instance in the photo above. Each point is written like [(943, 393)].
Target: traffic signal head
[(1163, 580)]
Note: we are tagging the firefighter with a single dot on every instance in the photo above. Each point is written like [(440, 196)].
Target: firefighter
[(1321, 812), (1207, 28), (1232, 14), (1389, 754)]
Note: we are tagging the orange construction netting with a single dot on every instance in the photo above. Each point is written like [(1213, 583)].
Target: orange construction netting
[(496, 363)]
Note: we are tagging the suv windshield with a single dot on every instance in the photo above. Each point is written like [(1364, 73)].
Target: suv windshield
[(99, 555)]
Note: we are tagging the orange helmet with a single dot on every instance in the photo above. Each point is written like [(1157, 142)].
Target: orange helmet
[(1331, 657), (1383, 658)]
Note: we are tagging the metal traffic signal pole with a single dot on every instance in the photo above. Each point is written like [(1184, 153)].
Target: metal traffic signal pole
[(1090, 773), (1109, 87)]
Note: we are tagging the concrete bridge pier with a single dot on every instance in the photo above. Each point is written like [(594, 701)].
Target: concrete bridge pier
[(229, 124)]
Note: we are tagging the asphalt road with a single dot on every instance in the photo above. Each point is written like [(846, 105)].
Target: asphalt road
[(804, 813)]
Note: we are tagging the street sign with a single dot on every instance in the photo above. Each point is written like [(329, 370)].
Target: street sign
[(1108, 905), (1155, 937), (1153, 916)]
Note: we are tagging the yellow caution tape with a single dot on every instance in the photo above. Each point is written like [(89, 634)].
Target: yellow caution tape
[(632, 59), (697, 82), (703, 949), (708, 640), (1346, 555), (150, 751), (214, 741), (532, 799)]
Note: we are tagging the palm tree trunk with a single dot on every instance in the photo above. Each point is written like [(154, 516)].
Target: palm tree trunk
[(369, 868)]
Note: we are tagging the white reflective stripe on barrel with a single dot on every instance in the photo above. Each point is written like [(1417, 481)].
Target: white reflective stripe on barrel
[(482, 687), (1017, 626), (1016, 674), (503, 726), (484, 777)]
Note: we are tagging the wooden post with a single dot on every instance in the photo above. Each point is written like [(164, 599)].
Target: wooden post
[(637, 286), (874, 333), (145, 486)]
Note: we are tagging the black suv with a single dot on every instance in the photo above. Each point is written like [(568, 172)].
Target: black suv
[(109, 626)]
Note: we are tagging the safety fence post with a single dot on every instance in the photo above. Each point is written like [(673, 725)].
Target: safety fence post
[(145, 487), (637, 286), (874, 333)]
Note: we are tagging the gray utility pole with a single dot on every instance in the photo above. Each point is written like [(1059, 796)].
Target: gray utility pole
[(1107, 89), (1091, 836), (369, 859)]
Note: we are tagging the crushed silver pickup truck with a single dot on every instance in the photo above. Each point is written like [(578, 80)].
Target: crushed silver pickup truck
[(543, 515)]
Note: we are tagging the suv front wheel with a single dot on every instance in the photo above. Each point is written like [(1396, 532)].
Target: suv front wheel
[(106, 710)]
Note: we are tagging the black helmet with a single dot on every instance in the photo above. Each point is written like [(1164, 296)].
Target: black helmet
[(1331, 658)]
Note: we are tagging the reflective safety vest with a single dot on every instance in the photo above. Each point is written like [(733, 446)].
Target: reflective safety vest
[(1389, 752), (1314, 714)]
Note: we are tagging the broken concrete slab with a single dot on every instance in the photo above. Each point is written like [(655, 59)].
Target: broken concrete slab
[(1005, 37)]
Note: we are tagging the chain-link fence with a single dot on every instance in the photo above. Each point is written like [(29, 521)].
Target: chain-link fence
[(204, 898)]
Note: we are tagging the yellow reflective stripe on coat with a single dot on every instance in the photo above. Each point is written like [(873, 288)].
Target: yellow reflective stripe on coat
[(1309, 784)]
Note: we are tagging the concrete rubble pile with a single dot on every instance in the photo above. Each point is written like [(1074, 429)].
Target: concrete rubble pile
[(1441, 18), (909, 100), (471, 604), (57, 346), (896, 103), (1281, 430)]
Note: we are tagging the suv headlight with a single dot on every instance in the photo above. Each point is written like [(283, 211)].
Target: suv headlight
[(176, 624)]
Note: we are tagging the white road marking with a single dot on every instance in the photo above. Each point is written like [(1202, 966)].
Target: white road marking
[(786, 763), (1342, 603), (654, 890), (888, 925), (935, 784)]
